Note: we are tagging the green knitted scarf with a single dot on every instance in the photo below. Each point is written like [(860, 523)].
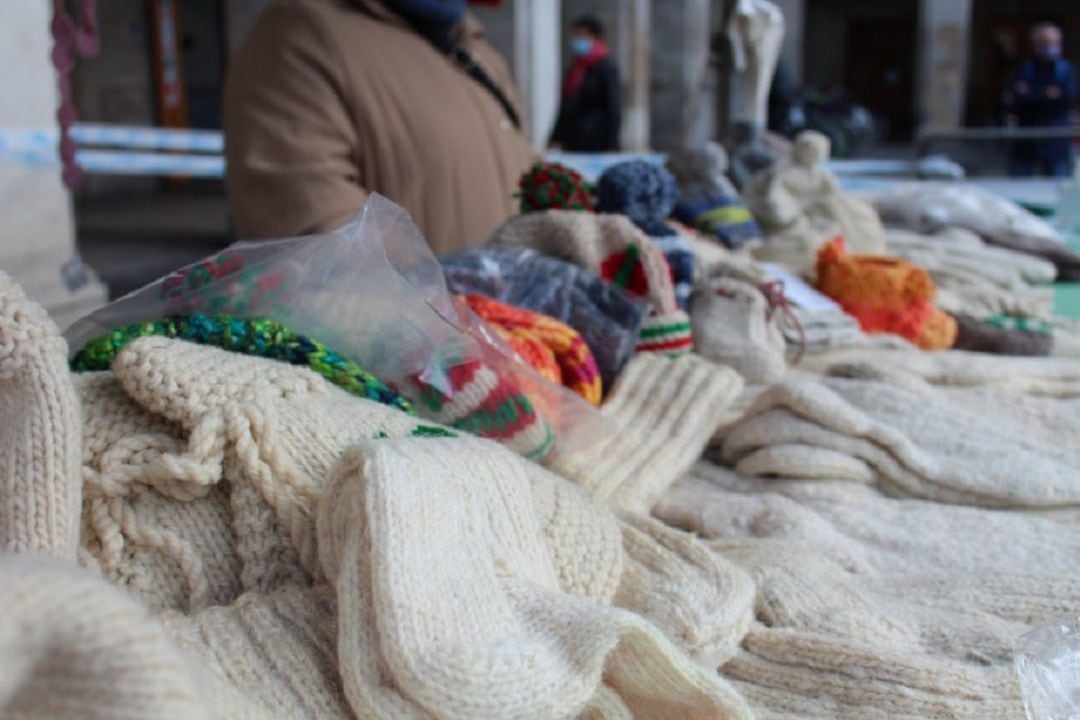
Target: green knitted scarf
[(259, 337)]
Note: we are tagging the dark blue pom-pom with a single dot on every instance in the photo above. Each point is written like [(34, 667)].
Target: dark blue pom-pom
[(643, 191)]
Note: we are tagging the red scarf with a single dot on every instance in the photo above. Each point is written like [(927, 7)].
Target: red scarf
[(575, 76)]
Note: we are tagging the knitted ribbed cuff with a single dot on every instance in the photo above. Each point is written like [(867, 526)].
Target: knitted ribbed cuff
[(668, 333), (662, 413)]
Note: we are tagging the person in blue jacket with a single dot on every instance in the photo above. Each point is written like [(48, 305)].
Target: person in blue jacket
[(1044, 94)]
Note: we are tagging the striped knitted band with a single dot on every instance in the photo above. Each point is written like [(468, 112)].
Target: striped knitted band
[(669, 334), (259, 337)]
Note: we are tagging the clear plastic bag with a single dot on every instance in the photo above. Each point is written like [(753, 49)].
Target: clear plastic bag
[(1048, 662), (373, 291)]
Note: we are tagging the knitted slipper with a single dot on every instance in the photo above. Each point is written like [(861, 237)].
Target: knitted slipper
[(733, 326), (39, 434), (447, 632)]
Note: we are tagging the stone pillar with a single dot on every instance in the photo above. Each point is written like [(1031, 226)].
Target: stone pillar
[(635, 132), (682, 91), (536, 65), (35, 209), (944, 31)]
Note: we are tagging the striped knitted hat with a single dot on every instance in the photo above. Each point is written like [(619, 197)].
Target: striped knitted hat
[(612, 247), (574, 365)]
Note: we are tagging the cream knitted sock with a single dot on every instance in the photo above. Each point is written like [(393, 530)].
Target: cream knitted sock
[(447, 593), (703, 602), (732, 326), (39, 431), (275, 427), (662, 413), (73, 647)]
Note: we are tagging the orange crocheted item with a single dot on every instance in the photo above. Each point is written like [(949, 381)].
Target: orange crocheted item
[(886, 295), (528, 332)]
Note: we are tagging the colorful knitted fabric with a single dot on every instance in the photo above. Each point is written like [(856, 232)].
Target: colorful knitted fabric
[(670, 335), (886, 295), (608, 245), (259, 337), (574, 365), (549, 185), (607, 317), (230, 285), (724, 217), (489, 404)]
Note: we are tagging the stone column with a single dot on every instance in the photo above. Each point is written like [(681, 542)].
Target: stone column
[(536, 63), (36, 221), (635, 132), (683, 88), (944, 31)]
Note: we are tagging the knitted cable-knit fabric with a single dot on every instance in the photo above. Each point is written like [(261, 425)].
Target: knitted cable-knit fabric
[(645, 193), (39, 431), (259, 337), (607, 317), (574, 367), (549, 185), (615, 249), (445, 584), (885, 295)]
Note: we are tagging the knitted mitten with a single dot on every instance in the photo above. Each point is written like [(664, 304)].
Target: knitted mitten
[(39, 431), (73, 647), (612, 247), (607, 317), (732, 326), (274, 427), (662, 413), (446, 590), (576, 367)]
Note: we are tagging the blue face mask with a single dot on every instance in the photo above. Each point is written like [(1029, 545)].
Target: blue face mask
[(581, 46)]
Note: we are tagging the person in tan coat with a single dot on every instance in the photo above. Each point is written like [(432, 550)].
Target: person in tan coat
[(328, 100)]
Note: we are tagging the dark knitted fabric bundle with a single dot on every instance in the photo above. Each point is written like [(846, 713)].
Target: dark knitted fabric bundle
[(608, 318), (999, 339)]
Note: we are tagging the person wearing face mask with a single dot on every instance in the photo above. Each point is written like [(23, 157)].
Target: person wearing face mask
[(590, 114), (328, 100), (1044, 94)]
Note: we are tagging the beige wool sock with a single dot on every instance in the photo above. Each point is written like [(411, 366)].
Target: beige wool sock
[(72, 647), (733, 326), (662, 413), (39, 431), (447, 592)]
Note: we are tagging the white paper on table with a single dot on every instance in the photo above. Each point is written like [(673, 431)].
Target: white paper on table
[(799, 292)]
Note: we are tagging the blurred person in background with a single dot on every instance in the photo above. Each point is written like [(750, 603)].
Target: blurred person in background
[(328, 100), (590, 114), (1044, 94)]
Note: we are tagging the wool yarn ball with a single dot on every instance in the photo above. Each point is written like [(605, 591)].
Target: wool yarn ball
[(641, 190)]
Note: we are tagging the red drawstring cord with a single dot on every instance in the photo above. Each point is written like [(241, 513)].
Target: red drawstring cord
[(71, 39), (774, 296)]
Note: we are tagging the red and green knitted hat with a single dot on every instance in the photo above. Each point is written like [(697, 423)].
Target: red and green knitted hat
[(549, 185)]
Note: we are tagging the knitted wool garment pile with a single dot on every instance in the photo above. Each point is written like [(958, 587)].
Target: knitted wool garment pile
[(272, 571), (613, 248), (607, 317), (885, 295)]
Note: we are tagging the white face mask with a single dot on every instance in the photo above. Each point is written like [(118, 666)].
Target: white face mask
[(581, 46)]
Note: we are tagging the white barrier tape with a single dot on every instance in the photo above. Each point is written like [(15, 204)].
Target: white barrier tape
[(148, 138), (111, 162)]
